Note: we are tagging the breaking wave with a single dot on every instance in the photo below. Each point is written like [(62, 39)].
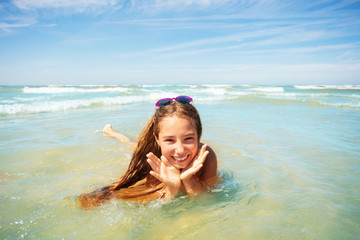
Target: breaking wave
[(15, 100)]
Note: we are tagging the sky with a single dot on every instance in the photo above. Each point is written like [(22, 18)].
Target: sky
[(266, 42)]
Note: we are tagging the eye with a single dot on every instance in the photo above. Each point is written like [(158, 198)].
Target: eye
[(189, 138)]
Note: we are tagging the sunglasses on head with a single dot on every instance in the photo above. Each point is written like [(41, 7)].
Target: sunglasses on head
[(180, 99)]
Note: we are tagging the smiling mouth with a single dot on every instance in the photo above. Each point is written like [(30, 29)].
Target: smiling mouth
[(180, 159)]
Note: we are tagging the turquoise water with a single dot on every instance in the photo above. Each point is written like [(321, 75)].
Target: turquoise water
[(289, 159)]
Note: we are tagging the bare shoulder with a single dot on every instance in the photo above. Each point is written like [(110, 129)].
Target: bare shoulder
[(209, 169), (211, 157)]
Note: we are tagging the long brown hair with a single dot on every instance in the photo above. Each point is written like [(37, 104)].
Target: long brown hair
[(137, 183)]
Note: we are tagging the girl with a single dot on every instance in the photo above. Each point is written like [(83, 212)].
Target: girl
[(168, 158)]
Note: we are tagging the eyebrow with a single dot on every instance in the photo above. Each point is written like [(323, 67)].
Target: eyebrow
[(189, 134), (185, 135)]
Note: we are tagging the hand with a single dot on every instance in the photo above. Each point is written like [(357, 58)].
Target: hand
[(195, 165), (165, 172)]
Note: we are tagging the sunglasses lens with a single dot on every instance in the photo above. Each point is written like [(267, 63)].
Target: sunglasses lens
[(183, 99), (180, 99), (163, 102)]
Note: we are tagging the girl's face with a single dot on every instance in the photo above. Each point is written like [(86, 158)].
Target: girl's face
[(178, 141)]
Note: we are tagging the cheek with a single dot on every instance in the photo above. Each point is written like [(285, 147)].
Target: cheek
[(194, 149), (165, 150)]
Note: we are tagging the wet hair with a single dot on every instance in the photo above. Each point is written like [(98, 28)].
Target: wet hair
[(137, 183)]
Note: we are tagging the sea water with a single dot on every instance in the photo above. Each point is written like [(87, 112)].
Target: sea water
[(289, 162)]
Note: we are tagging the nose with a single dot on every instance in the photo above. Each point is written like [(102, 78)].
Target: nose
[(180, 149)]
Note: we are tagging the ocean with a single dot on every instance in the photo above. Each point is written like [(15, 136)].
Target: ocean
[(289, 162)]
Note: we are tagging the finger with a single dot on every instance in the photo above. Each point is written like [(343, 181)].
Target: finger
[(197, 168), (166, 161), (188, 173), (153, 165), (151, 155), (154, 159), (201, 152), (203, 149), (156, 175), (201, 159)]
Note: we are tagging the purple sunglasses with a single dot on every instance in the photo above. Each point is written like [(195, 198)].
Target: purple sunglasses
[(180, 99)]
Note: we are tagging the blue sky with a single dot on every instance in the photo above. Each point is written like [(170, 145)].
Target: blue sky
[(179, 41)]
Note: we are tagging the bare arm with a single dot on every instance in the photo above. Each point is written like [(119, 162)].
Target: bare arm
[(208, 173)]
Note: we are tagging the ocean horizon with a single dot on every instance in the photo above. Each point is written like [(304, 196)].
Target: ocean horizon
[(289, 162)]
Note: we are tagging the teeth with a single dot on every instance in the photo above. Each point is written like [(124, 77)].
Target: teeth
[(180, 159)]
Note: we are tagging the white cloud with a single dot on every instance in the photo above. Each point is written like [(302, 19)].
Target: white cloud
[(7, 25), (201, 3), (4, 25), (111, 5), (78, 4), (154, 7)]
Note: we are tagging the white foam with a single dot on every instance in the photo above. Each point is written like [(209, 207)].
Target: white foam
[(213, 91), (156, 95), (53, 103), (32, 99), (190, 86), (151, 86), (353, 105), (54, 89), (54, 106), (216, 85), (327, 87), (285, 96), (293, 95), (215, 98), (92, 85), (6, 101), (267, 89)]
